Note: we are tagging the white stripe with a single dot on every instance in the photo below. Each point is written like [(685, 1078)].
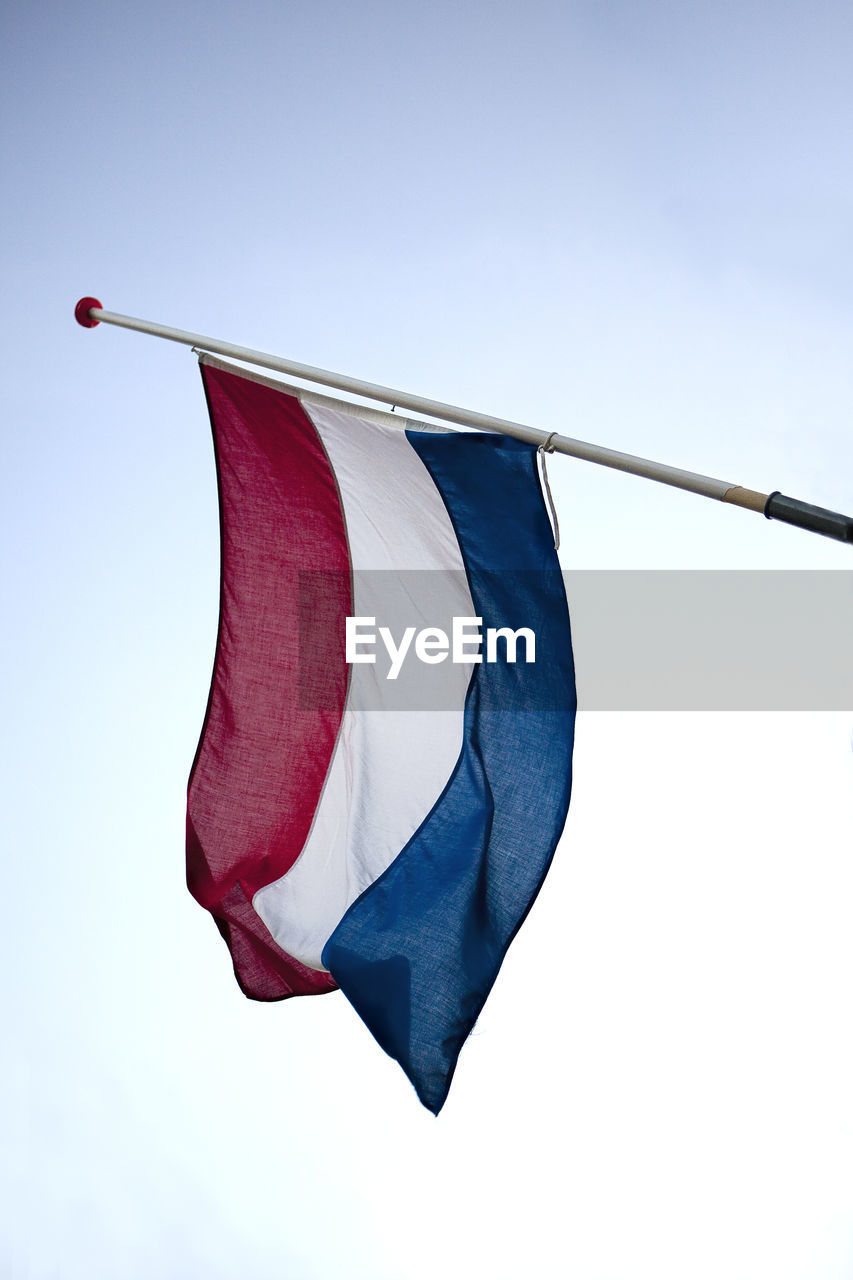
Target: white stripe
[(389, 766)]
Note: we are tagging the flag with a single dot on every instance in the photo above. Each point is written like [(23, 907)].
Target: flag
[(364, 813)]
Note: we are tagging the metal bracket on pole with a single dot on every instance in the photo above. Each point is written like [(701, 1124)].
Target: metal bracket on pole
[(774, 506)]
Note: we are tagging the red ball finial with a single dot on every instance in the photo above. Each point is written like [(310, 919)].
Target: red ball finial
[(81, 312)]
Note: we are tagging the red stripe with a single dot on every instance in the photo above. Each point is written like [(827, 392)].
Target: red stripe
[(275, 702)]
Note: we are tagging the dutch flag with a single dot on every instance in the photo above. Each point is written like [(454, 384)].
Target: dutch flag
[(381, 824)]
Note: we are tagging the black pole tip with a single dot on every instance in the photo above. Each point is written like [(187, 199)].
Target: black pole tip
[(832, 524)]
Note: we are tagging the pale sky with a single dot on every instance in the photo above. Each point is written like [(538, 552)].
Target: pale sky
[(626, 222)]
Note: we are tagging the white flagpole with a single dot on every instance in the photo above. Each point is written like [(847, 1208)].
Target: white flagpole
[(775, 506)]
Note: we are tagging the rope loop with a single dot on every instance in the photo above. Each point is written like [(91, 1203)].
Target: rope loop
[(545, 448)]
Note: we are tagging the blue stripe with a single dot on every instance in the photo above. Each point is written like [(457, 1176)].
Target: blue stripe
[(418, 952)]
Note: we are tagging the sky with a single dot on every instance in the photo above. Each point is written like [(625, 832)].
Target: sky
[(630, 223)]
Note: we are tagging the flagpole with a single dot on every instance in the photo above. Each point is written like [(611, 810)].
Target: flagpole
[(774, 506)]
